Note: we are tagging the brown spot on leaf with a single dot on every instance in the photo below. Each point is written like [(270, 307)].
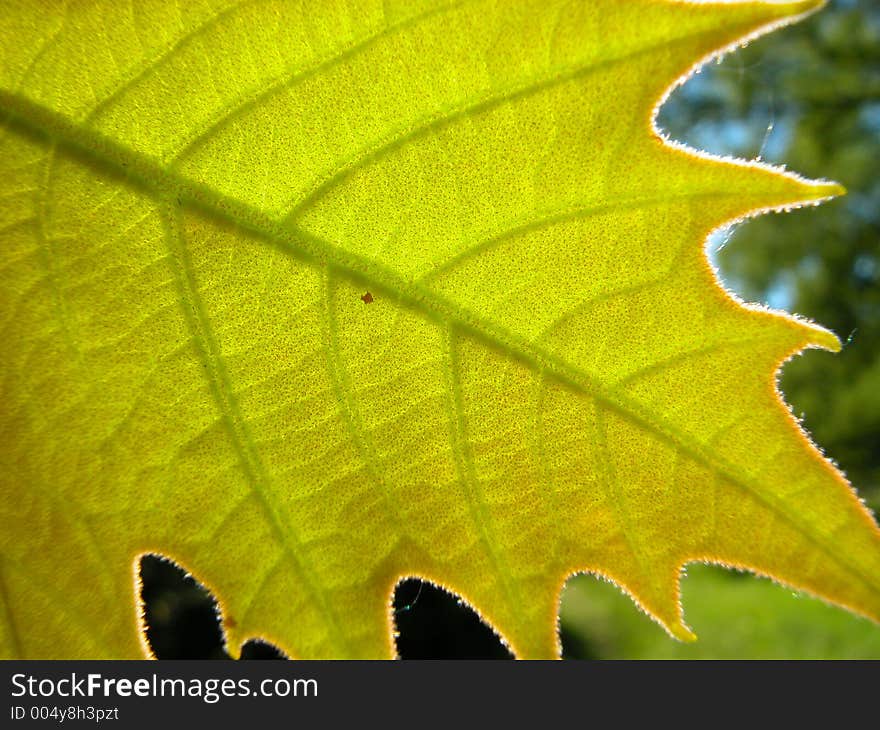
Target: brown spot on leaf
[(367, 298)]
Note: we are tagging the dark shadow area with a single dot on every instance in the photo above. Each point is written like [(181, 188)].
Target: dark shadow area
[(259, 649), (434, 624), (181, 616)]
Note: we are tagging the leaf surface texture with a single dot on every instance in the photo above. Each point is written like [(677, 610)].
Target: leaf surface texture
[(312, 296)]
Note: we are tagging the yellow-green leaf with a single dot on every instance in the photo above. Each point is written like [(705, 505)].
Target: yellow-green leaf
[(312, 296)]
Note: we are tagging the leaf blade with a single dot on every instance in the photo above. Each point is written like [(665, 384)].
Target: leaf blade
[(203, 228)]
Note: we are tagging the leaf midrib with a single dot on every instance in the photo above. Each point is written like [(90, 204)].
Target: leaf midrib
[(161, 183)]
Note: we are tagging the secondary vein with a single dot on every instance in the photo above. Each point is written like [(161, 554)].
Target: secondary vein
[(221, 388)]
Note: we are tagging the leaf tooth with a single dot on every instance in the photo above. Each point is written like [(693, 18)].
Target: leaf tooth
[(682, 632), (670, 615), (661, 605), (797, 333), (816, 335)]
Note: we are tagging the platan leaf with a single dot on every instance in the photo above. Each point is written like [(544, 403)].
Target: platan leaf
[(311, 297)]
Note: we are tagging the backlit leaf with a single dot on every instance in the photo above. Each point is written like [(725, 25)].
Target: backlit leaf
[(313, 296)]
